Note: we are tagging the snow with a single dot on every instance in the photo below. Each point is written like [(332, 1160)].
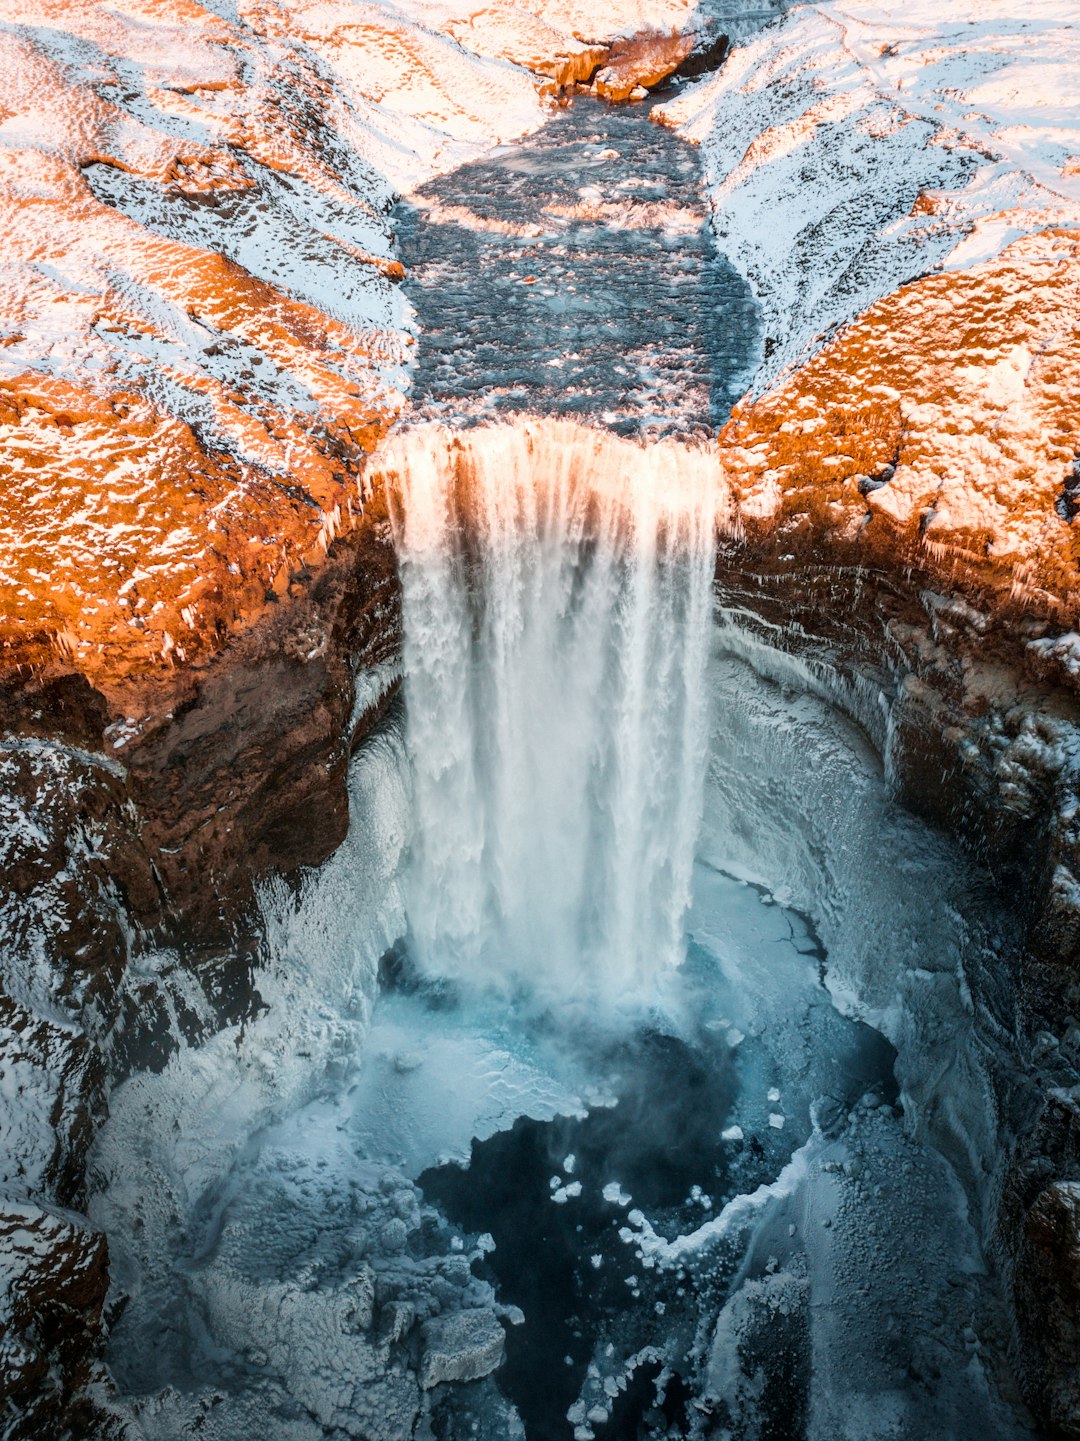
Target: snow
[(199, 282), (850, 148), (462, 1081)]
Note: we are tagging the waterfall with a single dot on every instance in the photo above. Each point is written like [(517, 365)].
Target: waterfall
[(557, 586)]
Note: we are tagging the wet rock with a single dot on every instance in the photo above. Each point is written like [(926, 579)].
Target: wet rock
[(1050, 1283), (460, 1347), (709, 52)]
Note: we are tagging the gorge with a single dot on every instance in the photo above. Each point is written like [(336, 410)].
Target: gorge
[(560, 918)]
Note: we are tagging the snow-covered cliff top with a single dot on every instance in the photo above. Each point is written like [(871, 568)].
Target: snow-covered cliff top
[(854, 146), (200, 331)]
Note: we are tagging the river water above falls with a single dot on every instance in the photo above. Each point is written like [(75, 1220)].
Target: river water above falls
[(595, 1088), (574, 274)]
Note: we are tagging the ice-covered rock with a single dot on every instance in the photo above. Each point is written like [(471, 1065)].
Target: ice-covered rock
[(461, 1347)]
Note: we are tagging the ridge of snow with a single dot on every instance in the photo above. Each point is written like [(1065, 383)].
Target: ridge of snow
[(849, 148)]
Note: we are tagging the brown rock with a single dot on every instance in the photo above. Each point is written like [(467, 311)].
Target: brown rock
[(937, 433), (56, 1277), (646, 60), (1050, 1268)]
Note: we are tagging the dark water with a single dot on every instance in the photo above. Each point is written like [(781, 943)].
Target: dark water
[(574, 274), (571, 1265)]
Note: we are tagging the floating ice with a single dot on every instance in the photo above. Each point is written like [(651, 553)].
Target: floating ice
[(614, 1193)]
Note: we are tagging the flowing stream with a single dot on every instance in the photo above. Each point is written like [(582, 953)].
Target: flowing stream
[(574, 275)]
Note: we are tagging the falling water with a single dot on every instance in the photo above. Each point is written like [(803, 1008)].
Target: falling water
[(557, 604)]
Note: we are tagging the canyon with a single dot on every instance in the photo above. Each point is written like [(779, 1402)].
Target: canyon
[(246, 391)]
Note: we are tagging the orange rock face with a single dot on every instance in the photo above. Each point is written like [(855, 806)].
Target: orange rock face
[(129, 540), (645, 60), (200, 336), (178, 430), (939, 431)]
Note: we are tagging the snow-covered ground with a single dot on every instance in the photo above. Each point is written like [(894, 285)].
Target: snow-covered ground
[(199, 282), (854, 146)]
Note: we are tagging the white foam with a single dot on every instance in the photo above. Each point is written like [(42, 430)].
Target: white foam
[(557, 608)]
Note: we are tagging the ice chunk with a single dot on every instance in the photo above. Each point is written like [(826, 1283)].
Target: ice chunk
[(460, 1347), (394, 1235), (614, 1193)]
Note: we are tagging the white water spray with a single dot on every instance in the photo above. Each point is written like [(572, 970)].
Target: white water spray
[(557, 608)]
